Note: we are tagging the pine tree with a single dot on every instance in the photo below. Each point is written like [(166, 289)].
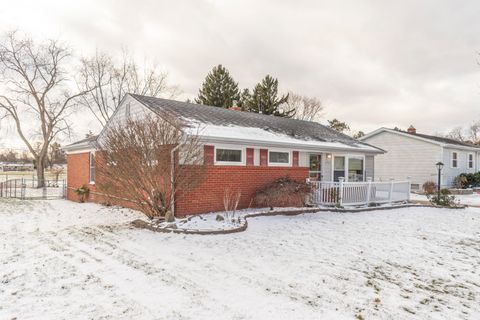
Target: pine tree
[(265, 100), (219, 89), (338, 125)]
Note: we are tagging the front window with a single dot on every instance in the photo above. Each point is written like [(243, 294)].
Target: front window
[(470, 161), (278, 157), (355, 169), (92, 168), (338, 168), (454, 160), (228, 155)]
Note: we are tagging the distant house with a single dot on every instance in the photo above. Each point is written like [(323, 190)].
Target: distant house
[(241, 150), (10, 166), (414, 155)]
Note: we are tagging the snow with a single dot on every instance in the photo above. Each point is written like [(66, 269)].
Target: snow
[(62, 260), (265, 136), (466, 199)]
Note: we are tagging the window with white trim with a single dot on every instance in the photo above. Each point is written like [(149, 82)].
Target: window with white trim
[(92, 168), (470, 161), (276, 157), (228, 155), (454, 160)]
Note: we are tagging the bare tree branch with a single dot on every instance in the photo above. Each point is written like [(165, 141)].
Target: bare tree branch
[(33, 91), (113, 80)]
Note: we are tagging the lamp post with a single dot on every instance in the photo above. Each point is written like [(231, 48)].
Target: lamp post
[(439, 167)]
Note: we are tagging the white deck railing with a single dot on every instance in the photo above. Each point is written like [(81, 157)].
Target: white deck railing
[(359, 193)]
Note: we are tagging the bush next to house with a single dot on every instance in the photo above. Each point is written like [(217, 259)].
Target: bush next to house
[(82, 193), (465, 180), (283, 192), (429, 187)]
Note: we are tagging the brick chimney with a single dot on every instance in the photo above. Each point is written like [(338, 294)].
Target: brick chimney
[(235, 107), (411, 130)]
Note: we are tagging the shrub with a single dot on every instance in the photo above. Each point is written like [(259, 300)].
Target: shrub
[(82, 193), (283, 192), (468, 179), (445, 199), (461, 182), (429, 187)]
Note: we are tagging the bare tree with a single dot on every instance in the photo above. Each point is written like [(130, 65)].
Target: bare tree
[(456, 134), (108, 81), (474, 132), (306, 108), (34, 90), (155, 161)]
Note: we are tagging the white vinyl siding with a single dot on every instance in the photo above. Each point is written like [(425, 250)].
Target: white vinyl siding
[(405, 157), (449, 172)]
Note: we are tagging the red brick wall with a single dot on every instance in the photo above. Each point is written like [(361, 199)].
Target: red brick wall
[(78, 173), (208, 196)]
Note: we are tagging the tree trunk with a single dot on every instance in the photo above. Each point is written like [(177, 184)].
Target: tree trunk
[(40, 173)]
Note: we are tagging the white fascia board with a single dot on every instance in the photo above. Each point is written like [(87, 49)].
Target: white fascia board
[(289, 145)]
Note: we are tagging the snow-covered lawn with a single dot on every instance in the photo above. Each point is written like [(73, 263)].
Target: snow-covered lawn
[(466, 199), (61, 260)]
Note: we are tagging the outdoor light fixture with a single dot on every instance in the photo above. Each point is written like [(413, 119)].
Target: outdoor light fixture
[(329, 156), (439, 167)]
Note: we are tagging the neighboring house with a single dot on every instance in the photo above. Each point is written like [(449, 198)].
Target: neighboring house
[(242, 151), (414, 155)]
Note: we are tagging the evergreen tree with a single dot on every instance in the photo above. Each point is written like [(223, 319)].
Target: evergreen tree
[(219, 89), (338, 125), (265, 100)]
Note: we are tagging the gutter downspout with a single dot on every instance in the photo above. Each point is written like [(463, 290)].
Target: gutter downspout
[(172, 182)]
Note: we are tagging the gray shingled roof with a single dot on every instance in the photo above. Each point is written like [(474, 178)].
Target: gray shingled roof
[(442, 139), (305, 130)]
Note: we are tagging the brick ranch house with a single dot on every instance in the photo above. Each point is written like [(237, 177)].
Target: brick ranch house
[(241, 151)]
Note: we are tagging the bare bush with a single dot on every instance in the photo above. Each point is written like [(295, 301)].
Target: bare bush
[(283, 192), (429, 187), (231, 199), (152, 161)]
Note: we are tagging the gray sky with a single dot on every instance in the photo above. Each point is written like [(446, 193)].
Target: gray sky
[(372, 63)]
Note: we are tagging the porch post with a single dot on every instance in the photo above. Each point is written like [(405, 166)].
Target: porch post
[(340, 190), (369, 190)]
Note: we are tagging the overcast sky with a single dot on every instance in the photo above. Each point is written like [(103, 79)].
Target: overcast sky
[(372, 63)]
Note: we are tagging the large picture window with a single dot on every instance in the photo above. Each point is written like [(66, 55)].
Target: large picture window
[(228, 155), (278, 157), (92, 168), (355, 170)]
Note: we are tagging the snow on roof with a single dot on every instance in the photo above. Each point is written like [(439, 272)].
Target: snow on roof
[(220, 123)]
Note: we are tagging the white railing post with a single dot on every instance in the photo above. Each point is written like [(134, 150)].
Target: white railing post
[(369, 190), (340, 190), (390, 194)]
